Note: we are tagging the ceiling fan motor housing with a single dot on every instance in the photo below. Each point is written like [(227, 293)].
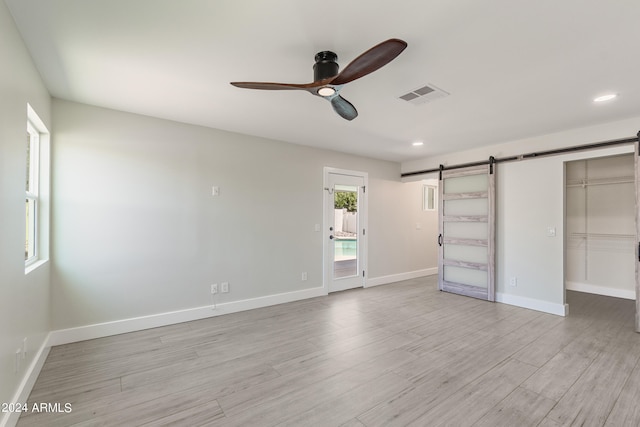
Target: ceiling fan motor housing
[(325, 66)]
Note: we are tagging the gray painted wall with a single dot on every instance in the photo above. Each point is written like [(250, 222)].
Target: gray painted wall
[(24, 300), (137, 232)]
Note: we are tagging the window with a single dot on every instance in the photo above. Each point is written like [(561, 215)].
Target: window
[(36, 242), (429, 197), (33, 180)]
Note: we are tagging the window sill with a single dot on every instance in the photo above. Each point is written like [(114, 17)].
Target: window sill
[(35, 265)]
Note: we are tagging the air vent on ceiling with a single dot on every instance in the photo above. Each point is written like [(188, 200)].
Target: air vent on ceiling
[(423, 94)]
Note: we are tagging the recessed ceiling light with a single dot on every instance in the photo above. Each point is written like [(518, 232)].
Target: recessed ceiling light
[(607, 97), (417, 143)]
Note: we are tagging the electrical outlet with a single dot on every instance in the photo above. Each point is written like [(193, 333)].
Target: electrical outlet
[(513, 281), (24, 348), (214, 288), (224, 287), (304, 275)]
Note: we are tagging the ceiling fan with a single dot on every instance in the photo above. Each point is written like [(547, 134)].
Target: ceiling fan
[(327, 82)]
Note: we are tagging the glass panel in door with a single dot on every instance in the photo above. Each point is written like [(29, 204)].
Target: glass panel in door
[(345, 231)]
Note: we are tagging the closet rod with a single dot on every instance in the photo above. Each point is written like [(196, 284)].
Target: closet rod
[(528, 155), (603, 236), (614, 182)]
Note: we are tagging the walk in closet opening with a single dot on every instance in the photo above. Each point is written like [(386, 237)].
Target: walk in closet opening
[(600, 227)]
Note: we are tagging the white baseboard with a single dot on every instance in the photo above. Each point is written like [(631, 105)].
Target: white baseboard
[(21, 395), (533, 304), (384, 280), (65, 336), (601, 290), (99, 330)]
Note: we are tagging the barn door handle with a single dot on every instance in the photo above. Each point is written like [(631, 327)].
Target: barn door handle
[(440, 240)]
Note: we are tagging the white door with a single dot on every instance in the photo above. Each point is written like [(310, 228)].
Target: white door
[(466, 256), (345, 229)]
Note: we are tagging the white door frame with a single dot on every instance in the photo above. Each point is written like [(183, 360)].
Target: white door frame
[(636, 163), (327, 259)]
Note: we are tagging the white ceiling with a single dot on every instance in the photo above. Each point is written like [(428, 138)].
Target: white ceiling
[(514, 69)]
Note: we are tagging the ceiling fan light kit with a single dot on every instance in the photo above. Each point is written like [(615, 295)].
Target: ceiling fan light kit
[(326, 91), (327, 81)]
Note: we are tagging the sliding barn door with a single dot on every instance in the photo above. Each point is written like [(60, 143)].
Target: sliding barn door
[(466, 256)]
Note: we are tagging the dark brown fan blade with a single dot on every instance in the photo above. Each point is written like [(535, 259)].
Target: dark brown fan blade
[(371, 60), (275, 86), (344, 108)]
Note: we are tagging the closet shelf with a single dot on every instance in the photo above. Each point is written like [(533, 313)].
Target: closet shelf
[(600, 181), (602, 236)]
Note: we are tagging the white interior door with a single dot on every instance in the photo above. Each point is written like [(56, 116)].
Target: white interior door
[(466, 254), (345, 231)]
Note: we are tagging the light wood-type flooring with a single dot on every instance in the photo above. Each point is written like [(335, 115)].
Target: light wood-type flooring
[(397, 355)]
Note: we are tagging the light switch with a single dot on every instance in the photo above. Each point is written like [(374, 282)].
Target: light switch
[(215, 190), (551, 231), (317, 227)]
